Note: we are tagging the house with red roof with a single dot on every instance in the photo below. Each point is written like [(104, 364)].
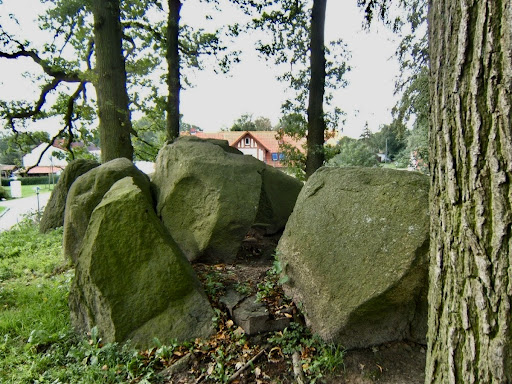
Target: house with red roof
[(263, 145)]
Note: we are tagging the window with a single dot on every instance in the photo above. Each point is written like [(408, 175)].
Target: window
[(274, 157), (247, 141), (281, 156)]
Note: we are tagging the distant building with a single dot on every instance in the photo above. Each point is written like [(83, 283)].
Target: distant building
[(53, 161), (263, 145), (49, 161), (7, 170)]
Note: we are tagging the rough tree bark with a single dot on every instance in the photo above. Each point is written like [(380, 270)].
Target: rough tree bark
[(110, 84), (316, 121), (470, 334), (173, 75)]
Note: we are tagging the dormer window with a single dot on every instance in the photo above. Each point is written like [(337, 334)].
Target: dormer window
[(247, 141)]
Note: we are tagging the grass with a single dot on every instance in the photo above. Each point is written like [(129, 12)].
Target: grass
[(30, 190), (37, 342), (2, 209)]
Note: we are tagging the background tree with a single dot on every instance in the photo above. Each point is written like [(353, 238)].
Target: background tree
[(263, 124), (243, 123), (173, 72), (14, 146), (114, 115), (387, 140), (469, 328), (246, 123), (69, 59), (290, 38), (353, 153), (316, 123)]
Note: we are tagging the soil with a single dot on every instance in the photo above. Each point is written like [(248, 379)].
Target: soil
[(400, 362)]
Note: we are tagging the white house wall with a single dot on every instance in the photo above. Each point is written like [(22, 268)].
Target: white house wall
[(48, 158)]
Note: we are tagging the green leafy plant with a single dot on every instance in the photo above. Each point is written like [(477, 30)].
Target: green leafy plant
[(271, 284), (243, 288), (318, 357), (4, 194)]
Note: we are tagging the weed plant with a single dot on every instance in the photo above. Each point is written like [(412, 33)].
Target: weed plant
[(318, 357)]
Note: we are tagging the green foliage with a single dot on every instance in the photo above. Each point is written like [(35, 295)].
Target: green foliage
[(4, 194), (319, 358), (213, 283), (389, 139), (37, 180), (413, 108), (293, 126), (353, 152), (270, 287), (246, 123), (150, 137), (14, 146), (289, 25), (243, 288)]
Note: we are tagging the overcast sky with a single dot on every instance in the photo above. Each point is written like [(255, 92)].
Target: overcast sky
[(217, 100)]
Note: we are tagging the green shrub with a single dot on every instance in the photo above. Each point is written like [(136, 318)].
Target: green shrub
[(37, 180), (5, 182), (4, 194)]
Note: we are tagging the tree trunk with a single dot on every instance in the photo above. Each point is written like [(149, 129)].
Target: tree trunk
[(113, 112), (316, 121), (173, 75), (469, 329)]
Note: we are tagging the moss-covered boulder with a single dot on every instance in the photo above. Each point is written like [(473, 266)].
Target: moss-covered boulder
[(53, 216), (277, 198), (224, 144), (355, 254), (132, 281), (209, 197), (86, 193)]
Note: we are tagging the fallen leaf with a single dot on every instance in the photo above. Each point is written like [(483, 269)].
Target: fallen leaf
[(275, 355), (257, 371), (229, 323), (239, 332)]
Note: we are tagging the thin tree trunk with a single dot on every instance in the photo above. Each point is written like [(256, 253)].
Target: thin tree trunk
[(113, 112), (173, 75), (316, 121), (470, 334)]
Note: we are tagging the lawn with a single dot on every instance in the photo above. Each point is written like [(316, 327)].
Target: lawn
[(30, 190), (2, 209)]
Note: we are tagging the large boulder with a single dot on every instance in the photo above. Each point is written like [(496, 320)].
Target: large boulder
[(132, 281), (277, 198), (86, 193), (53, 216), (209, 196), (354, 252)]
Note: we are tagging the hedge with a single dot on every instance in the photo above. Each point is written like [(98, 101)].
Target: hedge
[(35, 180)]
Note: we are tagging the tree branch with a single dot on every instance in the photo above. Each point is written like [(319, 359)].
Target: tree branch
[(38, 107), (48, 69)]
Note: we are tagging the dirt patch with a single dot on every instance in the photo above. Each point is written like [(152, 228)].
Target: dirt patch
[(230, 350)]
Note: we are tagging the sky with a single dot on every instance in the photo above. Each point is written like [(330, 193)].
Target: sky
[(216, 101)]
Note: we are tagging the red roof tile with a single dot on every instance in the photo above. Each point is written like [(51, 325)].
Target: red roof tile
[(45, 170), (266, 138)]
